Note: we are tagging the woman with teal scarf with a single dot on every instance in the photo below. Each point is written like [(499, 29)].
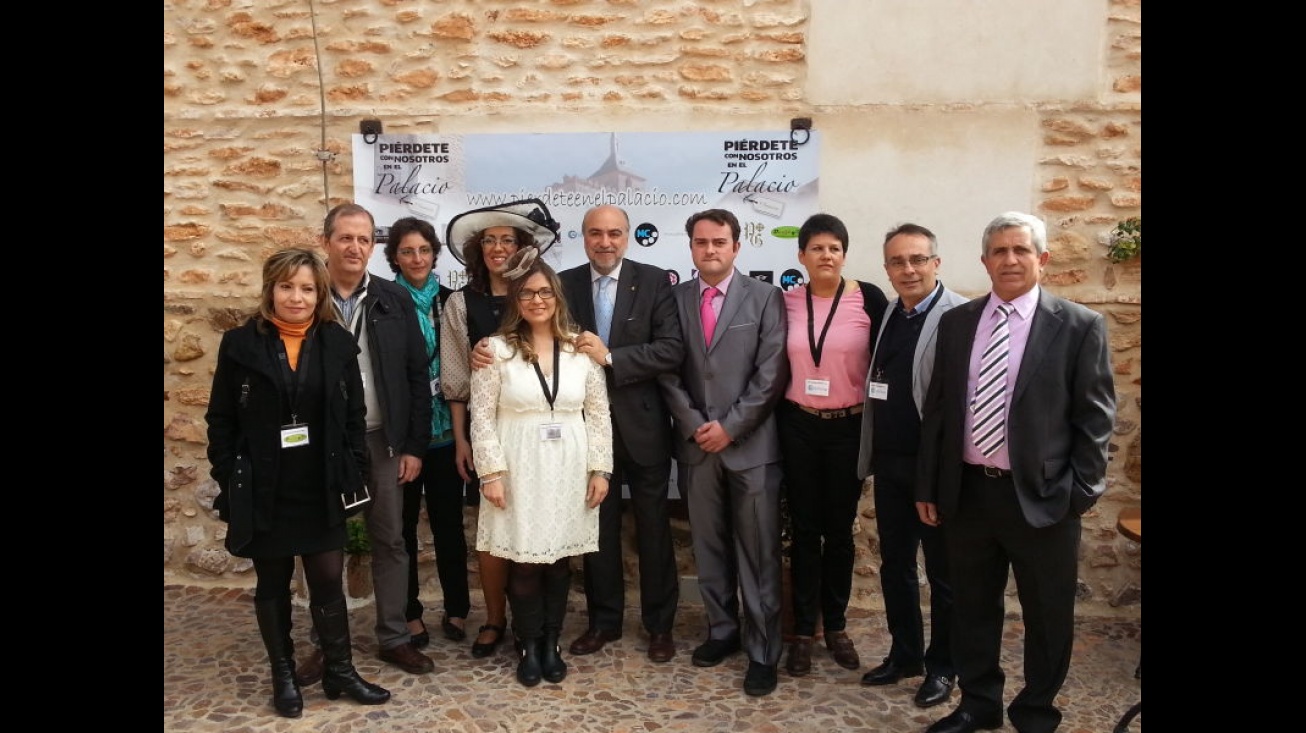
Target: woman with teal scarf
[(411, 250)]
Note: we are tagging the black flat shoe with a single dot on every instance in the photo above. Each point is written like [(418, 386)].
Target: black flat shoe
[(421, 640), (452, 632), (480, 650)]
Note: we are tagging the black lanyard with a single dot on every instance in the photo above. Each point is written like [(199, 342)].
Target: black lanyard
[(295, 378), (819, 346), (557, 367)]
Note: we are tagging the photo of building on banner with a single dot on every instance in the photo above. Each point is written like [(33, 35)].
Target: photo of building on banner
[(768, 180)]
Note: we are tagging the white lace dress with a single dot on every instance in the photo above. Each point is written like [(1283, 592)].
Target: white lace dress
[(546, 517)]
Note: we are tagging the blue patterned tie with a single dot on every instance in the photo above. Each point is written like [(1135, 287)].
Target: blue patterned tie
[(603, 308)]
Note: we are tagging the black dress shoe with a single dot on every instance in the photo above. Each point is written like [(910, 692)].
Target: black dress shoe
[(593, 640), (661, 647), (961, 721), (480, 650), (935, 689), (889, 672), (451, 631), (760, 679), (714, 651), (421, 640)]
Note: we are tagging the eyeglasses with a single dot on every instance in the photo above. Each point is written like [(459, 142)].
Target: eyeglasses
[(505, 241), (423, 251), (529, 295), (899, 263)]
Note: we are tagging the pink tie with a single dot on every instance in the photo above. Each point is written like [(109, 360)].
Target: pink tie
[(708, 315)]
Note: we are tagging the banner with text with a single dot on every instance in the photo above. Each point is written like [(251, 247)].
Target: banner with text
[(766, 178)]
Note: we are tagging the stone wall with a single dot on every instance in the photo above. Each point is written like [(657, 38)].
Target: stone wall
[(260, 100)]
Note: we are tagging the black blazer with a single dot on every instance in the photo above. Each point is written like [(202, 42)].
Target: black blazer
[(644, 342), (1060, 419)]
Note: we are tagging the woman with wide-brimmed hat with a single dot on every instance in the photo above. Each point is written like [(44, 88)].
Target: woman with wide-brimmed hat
[(483, 240)]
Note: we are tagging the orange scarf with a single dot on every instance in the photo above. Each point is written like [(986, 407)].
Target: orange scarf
[(292, 335)]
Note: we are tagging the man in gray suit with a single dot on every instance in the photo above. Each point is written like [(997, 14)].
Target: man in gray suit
[(901, 365), (722, 400), (1033, 371)]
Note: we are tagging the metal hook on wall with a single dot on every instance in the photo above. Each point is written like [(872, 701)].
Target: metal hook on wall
[(797, 124), (370, 130)]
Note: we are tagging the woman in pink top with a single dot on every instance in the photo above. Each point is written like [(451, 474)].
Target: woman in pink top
[(832, 324)]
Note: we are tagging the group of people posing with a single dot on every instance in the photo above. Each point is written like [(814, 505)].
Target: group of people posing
[(984, 423)]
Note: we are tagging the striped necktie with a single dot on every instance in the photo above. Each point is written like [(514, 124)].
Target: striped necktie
[(990, 404)]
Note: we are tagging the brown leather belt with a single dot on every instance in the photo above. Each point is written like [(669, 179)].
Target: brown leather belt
[(988, 471), (829, 414)]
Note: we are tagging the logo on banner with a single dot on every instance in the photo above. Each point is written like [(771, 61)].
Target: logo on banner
[(646, 235), (765, 276), (674, 277), (791, 279)]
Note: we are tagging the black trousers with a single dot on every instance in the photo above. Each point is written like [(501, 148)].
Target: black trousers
[(988, 538), (821, 491), (659, 581), (442, 487), (902, 536)]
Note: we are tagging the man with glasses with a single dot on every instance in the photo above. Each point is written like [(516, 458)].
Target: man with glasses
[(901, 364), (630, 329), (397, 390)]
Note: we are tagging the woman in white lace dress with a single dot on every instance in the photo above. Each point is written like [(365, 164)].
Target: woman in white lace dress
[(542, 445)]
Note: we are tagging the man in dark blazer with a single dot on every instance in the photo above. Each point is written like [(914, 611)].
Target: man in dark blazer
[(902, 364), (722, 399), (642, 342), (1013, 502)]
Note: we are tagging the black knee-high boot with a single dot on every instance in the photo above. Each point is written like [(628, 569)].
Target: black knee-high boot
[(527, 623), (557, 583), (332, 624), (273, 616)]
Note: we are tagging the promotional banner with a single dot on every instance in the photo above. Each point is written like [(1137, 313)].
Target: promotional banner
[(768, 179)]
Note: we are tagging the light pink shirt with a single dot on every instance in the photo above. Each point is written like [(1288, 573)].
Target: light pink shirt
[(1018, 326), (721, 297), (846, 356)]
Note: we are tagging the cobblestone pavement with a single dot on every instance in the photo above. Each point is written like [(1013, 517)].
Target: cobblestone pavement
[(216, 680)]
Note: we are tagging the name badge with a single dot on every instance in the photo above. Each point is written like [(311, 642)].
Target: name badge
[(294, 436), (550, 431), (817, 387), (878, 391)]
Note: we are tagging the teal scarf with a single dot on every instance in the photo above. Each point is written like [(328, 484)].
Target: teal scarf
[(425, 299)]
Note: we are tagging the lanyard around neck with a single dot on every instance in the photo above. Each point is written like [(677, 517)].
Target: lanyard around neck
[(557, 367), (818, 347)]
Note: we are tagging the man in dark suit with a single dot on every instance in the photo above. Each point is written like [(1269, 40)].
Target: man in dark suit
[(902, 364), (1009, 473), (630, 328), (722, 399)]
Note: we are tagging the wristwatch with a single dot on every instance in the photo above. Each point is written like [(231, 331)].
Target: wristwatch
[(607, 358), (604, 474)]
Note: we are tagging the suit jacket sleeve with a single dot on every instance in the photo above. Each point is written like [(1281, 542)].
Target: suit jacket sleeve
[(685, 416), (770, 370), (1092, 416), (662, 353)]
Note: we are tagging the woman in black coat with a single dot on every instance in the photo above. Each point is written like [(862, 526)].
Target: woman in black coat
[(286, 447)]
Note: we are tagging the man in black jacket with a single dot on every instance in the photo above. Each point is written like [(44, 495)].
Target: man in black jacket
[(631, 330), (397, 392)]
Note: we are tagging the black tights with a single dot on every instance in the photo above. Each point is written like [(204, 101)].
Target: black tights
[(526, 579), (322, 571)]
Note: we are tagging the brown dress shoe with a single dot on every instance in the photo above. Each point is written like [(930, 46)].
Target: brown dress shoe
[(661, 648), (407, 658), (309, 672), (593, 640), (800, 656), (842, 649)]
